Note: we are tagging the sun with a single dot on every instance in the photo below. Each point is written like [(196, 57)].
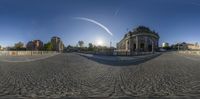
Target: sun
[(99, 42)]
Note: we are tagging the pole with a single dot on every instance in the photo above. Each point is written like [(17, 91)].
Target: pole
[(178, 46), (152, 46), (110, 44)]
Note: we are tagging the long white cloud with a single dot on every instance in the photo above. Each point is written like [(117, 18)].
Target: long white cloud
[(95, 22)]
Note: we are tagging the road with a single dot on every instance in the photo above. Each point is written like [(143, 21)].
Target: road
[(72, 75)]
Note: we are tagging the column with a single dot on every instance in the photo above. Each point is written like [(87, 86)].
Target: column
[(137, 43), (129, 44), (152, 42), (130, 48), (146, 44), (126, 45)]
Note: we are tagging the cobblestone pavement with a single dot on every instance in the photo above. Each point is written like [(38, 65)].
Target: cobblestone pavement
[(25, 58), (71, 75)]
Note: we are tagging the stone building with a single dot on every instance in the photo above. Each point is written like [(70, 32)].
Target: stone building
[(57, 44), (193, 47), (141, 39), (34, 45), (186, 46)]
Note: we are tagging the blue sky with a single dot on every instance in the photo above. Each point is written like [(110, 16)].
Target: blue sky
[(25, 20)]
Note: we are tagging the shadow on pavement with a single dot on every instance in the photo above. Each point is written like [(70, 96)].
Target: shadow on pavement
[(122, 62)]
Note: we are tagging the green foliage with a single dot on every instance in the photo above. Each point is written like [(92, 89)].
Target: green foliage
[(167, 48), (48, 46), (19, 46), (91, 47), (69, 46)]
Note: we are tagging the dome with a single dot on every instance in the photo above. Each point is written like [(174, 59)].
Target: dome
[(142, 30)]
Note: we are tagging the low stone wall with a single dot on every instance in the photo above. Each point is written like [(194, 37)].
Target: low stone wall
[(128, 53), (117, 53), (190, 52), (25, 53)]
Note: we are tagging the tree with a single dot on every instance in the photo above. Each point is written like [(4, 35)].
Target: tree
[(69, 46), (91, 47), (19, 46), (80, 43), (48, 46)]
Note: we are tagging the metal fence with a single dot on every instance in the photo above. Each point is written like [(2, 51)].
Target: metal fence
[(25, 53)]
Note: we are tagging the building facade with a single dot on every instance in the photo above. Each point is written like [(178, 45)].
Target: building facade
[(141, 39), (189, 46), (35, 45), (165, 44), (57, 44), (193, 47)]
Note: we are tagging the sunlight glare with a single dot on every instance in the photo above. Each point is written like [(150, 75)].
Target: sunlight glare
[(99, 42)]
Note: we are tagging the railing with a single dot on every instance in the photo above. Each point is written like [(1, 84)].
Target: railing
[(25, 53), (190, 52)]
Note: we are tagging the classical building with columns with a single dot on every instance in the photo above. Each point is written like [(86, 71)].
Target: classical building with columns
[(141, 39), (57, 44)]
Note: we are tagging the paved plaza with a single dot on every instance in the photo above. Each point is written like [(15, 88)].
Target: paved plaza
[(73, 75), (27, 58)]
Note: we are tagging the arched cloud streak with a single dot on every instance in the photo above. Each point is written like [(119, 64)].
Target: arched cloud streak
[(95, 22)]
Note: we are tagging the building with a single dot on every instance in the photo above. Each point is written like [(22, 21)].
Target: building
[(165, 45), (57, 44), (193, 46), (141, 39), (34, 45), (186, 46)]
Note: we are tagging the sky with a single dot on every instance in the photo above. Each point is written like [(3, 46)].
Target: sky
[(93, 21)]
